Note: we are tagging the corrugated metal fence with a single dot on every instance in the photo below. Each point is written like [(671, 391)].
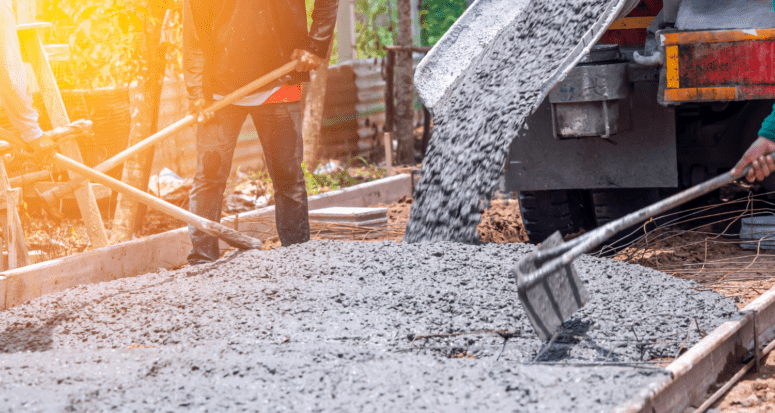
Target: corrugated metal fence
[(354, 113)]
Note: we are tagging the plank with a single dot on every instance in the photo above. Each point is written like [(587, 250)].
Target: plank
[(132, 258), (12, 230), (18, 256), (57, 112)]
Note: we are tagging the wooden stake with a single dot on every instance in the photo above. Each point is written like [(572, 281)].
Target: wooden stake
[(388, 141), (57, 113), (18, 256)]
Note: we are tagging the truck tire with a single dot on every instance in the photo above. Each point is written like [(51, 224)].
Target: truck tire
[(544, 212), (612, 204)]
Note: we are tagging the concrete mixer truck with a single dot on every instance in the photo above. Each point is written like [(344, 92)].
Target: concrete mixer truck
[(671, 94)]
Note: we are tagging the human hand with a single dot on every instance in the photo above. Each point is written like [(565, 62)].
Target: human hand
[(305, 60), (196, 108), (43, 149), (758, 157)]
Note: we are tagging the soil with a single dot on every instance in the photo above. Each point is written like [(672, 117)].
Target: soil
[(48, 239), (755, 393)]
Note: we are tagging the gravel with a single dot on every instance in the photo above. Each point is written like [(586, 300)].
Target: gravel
[(346, 326)]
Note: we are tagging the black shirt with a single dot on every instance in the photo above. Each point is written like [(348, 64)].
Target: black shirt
[(229, 43)]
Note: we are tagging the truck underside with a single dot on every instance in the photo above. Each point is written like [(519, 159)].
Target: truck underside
[(672, 95)]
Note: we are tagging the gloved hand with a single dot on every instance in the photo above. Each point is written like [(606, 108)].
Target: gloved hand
[(196, 108), (757, 155), (305, 60), (43, 149)]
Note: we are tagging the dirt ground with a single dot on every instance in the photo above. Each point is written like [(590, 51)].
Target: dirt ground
[(754, 394)]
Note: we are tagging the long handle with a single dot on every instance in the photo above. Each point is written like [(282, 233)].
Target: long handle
[(188, 120), (563, 255), (229, 235)]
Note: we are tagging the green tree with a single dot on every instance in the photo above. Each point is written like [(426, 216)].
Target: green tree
[(436, 17), (375, 27), (105, 38)]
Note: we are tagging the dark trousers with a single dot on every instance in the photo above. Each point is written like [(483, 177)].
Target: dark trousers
[(279, 129)]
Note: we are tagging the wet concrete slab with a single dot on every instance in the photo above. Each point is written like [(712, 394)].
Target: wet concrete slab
[(346, 326)]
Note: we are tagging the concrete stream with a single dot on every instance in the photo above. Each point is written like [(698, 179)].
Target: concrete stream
[(478, 118)]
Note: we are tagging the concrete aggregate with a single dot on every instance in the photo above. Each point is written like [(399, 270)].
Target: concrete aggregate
[(476, 121), (346, 326), (293, 378)]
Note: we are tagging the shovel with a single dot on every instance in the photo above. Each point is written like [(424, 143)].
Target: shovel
[(548, 285), (230, 236), (52, 196)]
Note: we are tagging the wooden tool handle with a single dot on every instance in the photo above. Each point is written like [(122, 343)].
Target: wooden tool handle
[(227, 100), (188, 120), (118, 186), (229, 235)]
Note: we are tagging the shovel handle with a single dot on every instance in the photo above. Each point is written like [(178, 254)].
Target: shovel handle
[(188, 120), (227, 100), (556, 258), (118, 186)]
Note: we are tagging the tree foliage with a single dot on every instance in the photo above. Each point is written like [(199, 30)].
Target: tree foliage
[(105, 38), (375, 27), (436, 17), (377, 23), (105, 35)]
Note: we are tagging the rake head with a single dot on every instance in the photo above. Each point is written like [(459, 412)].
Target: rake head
[(553, 299)]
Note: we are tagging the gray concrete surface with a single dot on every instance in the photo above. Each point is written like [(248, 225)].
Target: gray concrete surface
[(349, 327)]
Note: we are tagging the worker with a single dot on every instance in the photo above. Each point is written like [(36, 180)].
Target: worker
[(758, 154), (15, 98), (226, 45)]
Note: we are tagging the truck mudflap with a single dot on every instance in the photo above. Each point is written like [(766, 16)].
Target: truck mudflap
[(718, 65)]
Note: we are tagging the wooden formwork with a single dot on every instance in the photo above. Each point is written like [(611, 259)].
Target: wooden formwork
[(169, 249), (692, 375), (709, 362)]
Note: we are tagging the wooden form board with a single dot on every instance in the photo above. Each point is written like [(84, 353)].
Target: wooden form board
[(724, 350), (169, 249)]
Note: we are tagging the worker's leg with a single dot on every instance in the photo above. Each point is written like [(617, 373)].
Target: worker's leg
[(279, 127), (215, 142), (14, 95)]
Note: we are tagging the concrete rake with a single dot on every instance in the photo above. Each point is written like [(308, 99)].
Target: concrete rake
[(549, 287)]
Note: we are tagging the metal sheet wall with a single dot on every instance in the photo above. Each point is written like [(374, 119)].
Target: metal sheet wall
[(354, 113)]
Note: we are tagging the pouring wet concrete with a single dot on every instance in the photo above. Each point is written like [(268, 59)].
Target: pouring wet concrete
[(476, 120), (349, 326)]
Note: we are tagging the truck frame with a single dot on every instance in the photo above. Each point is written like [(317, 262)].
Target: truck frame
[(627, 126)]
